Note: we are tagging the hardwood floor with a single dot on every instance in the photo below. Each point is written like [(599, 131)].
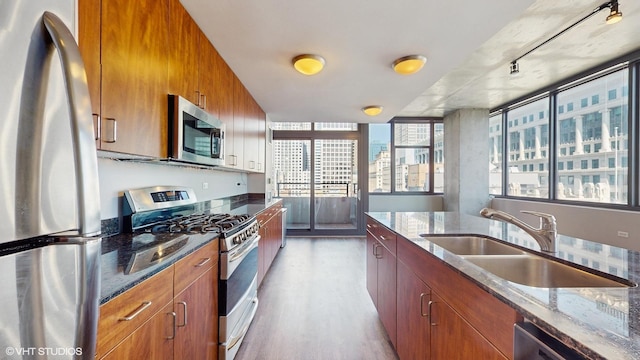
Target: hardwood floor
[(314, 305)]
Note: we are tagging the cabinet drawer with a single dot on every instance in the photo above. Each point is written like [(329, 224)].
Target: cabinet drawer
[(122, 315), (385, 236), (194, 265)]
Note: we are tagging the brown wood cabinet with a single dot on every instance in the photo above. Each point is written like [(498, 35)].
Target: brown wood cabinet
[(466, 321), (137, 52), (89, 43), (270, 232), (235, 130), (453, 338), (122, 315), (196, 304), (152, 340), (196, 320), (184, 35), (134, 58), (381, 274), (414, 325), (149, 322)]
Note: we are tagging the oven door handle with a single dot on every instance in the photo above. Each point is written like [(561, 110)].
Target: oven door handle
[(244, 251), (235, 340)]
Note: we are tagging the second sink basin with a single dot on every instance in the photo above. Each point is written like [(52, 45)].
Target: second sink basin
[(473, 245), (536, 271)]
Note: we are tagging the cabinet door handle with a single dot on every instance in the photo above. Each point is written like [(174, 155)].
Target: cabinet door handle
[(204, 101), (198, 99), (184, 308), (429, 308), (422, 305), (114, 130), (173, 328), (201, 263), (375, 251), (382, 238), (136, 312), (97, 125)]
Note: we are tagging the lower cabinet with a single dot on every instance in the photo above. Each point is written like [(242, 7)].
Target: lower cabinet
[(149, 322), (442, 315), (429, 310), (414, 325), (152, 340), (453, 338), (270, 221), (196, 331), (381, 278)]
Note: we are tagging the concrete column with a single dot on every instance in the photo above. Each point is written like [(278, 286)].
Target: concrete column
[(466, 174)]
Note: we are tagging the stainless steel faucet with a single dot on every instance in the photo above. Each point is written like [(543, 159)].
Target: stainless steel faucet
[(545, 235)]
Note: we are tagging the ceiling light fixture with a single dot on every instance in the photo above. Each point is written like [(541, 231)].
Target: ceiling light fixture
[(614, 16), (308, 64), (372, 110), (408, 65), (514, 68)]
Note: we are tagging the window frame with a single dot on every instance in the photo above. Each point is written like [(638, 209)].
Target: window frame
[(432, 121), (630, 90)]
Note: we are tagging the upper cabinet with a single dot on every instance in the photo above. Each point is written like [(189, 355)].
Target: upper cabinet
[(136, 52), (134, 60), (184, 37)]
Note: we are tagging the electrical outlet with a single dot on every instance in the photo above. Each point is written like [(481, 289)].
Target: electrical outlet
[(623, 234), (205, 185)]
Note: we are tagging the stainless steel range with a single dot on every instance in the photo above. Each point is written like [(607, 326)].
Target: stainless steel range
[(174, 211)]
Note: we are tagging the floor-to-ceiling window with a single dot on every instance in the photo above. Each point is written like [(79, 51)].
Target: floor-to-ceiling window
[(316, 169), (570, 144)]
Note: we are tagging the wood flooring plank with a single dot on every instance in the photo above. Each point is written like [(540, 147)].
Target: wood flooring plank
[(314, 305)]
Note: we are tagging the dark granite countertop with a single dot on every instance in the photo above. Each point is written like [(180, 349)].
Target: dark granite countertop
[(117, 250), (601, 323)]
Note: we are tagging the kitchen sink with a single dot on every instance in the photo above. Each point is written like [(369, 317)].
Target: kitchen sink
[(537, 271), (521, 266), (473, 245)]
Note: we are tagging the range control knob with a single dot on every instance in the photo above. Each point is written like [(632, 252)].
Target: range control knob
[(237, 240)]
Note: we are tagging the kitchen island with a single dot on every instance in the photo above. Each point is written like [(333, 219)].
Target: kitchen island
[(600, 323)]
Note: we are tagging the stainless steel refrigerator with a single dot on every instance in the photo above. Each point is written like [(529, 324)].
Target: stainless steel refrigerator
[(49, 193)]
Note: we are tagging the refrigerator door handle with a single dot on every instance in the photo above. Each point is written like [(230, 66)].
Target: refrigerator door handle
[(84, 147)]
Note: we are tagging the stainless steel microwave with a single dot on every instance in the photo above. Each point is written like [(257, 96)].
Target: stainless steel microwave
[(195, 136)]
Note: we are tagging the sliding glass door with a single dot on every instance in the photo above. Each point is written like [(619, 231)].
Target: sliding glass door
[(316, 174)]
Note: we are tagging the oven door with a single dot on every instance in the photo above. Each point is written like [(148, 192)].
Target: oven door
[(238, 295)]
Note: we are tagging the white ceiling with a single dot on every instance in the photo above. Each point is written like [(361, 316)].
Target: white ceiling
[(469, 45)]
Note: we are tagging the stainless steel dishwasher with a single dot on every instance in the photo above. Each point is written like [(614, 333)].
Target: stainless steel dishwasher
[(531, 343)]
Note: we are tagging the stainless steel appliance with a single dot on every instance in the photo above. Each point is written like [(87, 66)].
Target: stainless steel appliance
[(531, 343), (175, 211), (49, 194), (195, 135)]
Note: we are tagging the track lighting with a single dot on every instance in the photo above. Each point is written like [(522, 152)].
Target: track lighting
[(614, 16)]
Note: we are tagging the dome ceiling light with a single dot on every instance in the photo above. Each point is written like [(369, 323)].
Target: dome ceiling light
[(308, 64), (372, 110), (408, 65)]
